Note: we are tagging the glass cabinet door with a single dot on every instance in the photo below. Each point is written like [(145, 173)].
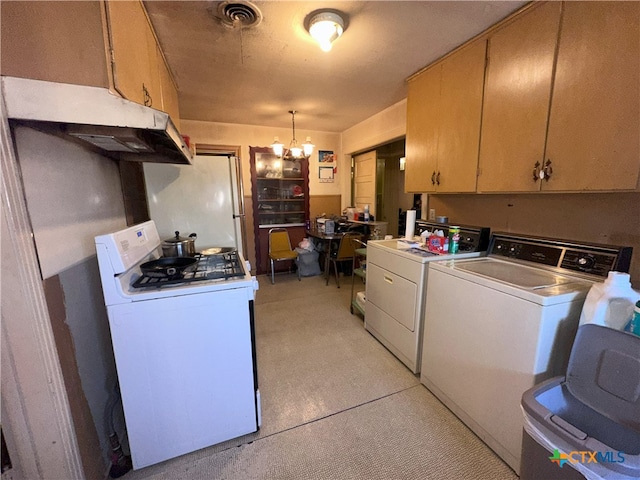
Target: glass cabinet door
[(280, 194), (281, 191)]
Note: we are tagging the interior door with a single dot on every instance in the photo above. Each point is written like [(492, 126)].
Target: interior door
[(204, 198), (364, 181)]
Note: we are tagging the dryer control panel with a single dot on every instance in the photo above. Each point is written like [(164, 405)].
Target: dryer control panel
[(472, 239)]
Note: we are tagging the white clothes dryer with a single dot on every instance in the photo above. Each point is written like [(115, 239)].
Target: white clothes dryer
[(396, 286)]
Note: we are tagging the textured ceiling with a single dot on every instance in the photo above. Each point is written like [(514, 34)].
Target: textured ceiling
[(256, 75)]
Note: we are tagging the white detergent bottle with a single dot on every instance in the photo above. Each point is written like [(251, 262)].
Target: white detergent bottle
[(611, 303)]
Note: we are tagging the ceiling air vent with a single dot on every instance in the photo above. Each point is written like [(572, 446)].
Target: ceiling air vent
[(243, 14)]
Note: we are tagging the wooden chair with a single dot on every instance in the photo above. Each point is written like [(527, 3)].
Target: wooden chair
[(280, 249), (345, 252)]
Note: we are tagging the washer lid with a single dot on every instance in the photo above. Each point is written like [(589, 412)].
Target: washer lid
[(517, 275)]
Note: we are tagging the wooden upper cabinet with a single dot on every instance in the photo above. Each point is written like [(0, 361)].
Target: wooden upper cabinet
[(594, 124), (135, 60), (422, 130), (516, 100), (443, 123), (460, 117), (54, 41), (140, 71), (153, 84), (169, 93), (46, 41)]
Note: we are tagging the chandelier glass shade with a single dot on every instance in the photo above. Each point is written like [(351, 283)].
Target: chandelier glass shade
[(294, 150)]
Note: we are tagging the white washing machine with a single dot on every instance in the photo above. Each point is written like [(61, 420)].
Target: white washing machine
[(396, 285), (496, 326)]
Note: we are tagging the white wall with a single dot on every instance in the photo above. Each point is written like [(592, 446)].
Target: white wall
[(256, 136), (383, 127), (73, 195), (389, 124)]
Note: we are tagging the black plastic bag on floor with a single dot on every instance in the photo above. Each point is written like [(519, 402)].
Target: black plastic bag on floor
[(308, 262)]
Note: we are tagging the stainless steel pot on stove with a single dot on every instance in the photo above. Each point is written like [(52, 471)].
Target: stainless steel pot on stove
[(179, 246)]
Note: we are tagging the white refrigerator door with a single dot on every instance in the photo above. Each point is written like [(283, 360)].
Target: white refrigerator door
[(203, 198)]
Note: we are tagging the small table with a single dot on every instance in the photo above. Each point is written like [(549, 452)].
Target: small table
[(327, 238)]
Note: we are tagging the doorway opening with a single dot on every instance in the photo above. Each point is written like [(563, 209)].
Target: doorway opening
[(389, 198)]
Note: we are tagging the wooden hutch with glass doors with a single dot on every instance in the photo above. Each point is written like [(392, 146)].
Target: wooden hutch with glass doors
[(280, 193)]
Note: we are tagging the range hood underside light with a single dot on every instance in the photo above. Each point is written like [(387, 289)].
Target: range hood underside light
[(125, 143), (112, 143)]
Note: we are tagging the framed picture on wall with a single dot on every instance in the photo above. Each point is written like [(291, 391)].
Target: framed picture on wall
[(326, 156), (325, 174)]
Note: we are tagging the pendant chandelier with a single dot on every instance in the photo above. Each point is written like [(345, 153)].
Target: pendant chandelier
[(293, 151)]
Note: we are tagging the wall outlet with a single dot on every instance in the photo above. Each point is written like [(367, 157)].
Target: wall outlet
[(432, 214)]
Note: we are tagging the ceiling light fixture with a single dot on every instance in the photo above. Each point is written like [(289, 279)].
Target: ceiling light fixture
[(326, 27), (294, 151)]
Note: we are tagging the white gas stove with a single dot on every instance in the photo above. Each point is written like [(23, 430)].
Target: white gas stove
[(184, 346)]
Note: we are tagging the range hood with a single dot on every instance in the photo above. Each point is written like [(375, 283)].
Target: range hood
[(96, 117)]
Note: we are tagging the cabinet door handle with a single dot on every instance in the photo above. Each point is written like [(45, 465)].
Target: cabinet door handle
[(433, 178), (438, 179), (388, 279), (547, 171), (536, 171), (148, 101)]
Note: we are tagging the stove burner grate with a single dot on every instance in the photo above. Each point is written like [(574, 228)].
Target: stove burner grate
[(209, 267)]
